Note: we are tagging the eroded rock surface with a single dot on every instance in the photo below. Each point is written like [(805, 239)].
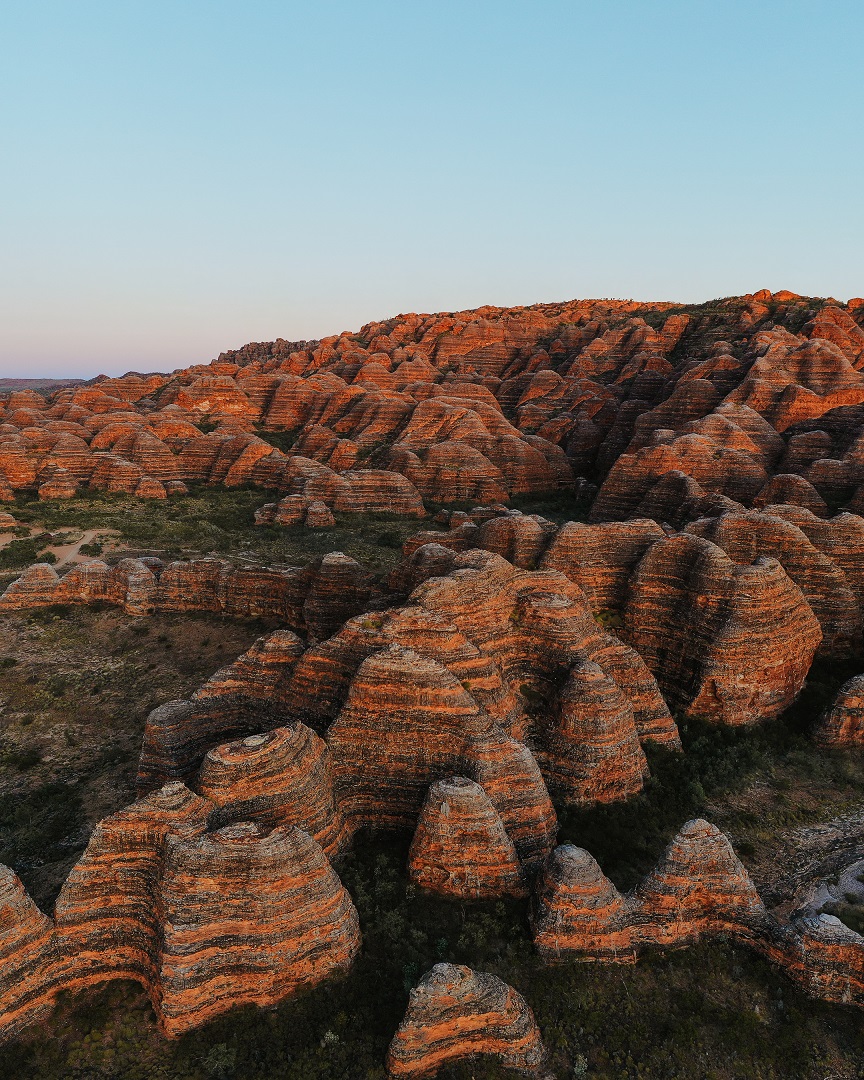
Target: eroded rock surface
[(455, 1013)]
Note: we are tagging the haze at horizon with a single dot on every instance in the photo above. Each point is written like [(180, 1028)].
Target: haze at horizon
[(180, 180)]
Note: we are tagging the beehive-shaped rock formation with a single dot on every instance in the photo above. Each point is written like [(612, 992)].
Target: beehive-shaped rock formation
[(460, 846), (578, 911), (730, 643), (281, 777), (456, 1013), (843, 723), (250, 917), (699, 887)]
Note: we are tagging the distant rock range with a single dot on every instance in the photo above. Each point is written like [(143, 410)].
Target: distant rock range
[(47, 386)]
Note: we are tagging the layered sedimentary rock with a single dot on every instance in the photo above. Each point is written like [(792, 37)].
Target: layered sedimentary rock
[(591, 750), (746, 536), (460, 846), (455, 1013), (317, 598), (699, 889), (727, 642), (408, 722), (107, 913), (450, 684), (281, 777), (250, 916), (27, 957), (242, 698), (601, 558), (843, 723), (203, 920)]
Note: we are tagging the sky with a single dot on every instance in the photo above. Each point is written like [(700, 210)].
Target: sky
[(178, 178)]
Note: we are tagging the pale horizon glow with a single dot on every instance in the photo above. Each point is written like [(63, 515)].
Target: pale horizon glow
[(180, 179)]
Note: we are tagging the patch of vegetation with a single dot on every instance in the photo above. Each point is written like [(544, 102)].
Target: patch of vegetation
[(221, 521), (282, 440), (18, 554), (76, 685)]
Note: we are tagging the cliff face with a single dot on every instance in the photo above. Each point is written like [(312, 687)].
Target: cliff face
[(456, 1013)]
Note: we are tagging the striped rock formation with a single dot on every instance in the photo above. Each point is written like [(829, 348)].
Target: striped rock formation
[(242, 698), (317, 598), (455, 1013), (843, 723), (283, 777), (408, 722), (726, 642), (460, 846), (452, 683), (250, 917), (746, 536), (698, 890), (203, 920)]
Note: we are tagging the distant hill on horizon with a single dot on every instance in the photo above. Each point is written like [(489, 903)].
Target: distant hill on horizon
[(38, 384)]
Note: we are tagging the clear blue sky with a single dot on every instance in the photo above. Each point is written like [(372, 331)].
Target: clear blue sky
[(179, 178)]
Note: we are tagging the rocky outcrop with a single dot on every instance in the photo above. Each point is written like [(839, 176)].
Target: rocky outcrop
[(27, 957), (281, 777), (203, 920), (600, 559), (456, 1013), (698, 890), (408, 722), (746, 536), (317, 598), (460, 846), (730, 643), (239, 699), (843, 723), (250, 917)]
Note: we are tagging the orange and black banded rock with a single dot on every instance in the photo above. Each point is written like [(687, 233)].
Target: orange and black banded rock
[(519, 538), (250, 917), (842, 724), (578, 912), (107, 914), (730, 643), (698, 888), (407, 723), (456, 1013), (317, 598), (282, 777), (746, 536), (601, 558), (590, 746), (824, 956), (460, 846), (28, 958)]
